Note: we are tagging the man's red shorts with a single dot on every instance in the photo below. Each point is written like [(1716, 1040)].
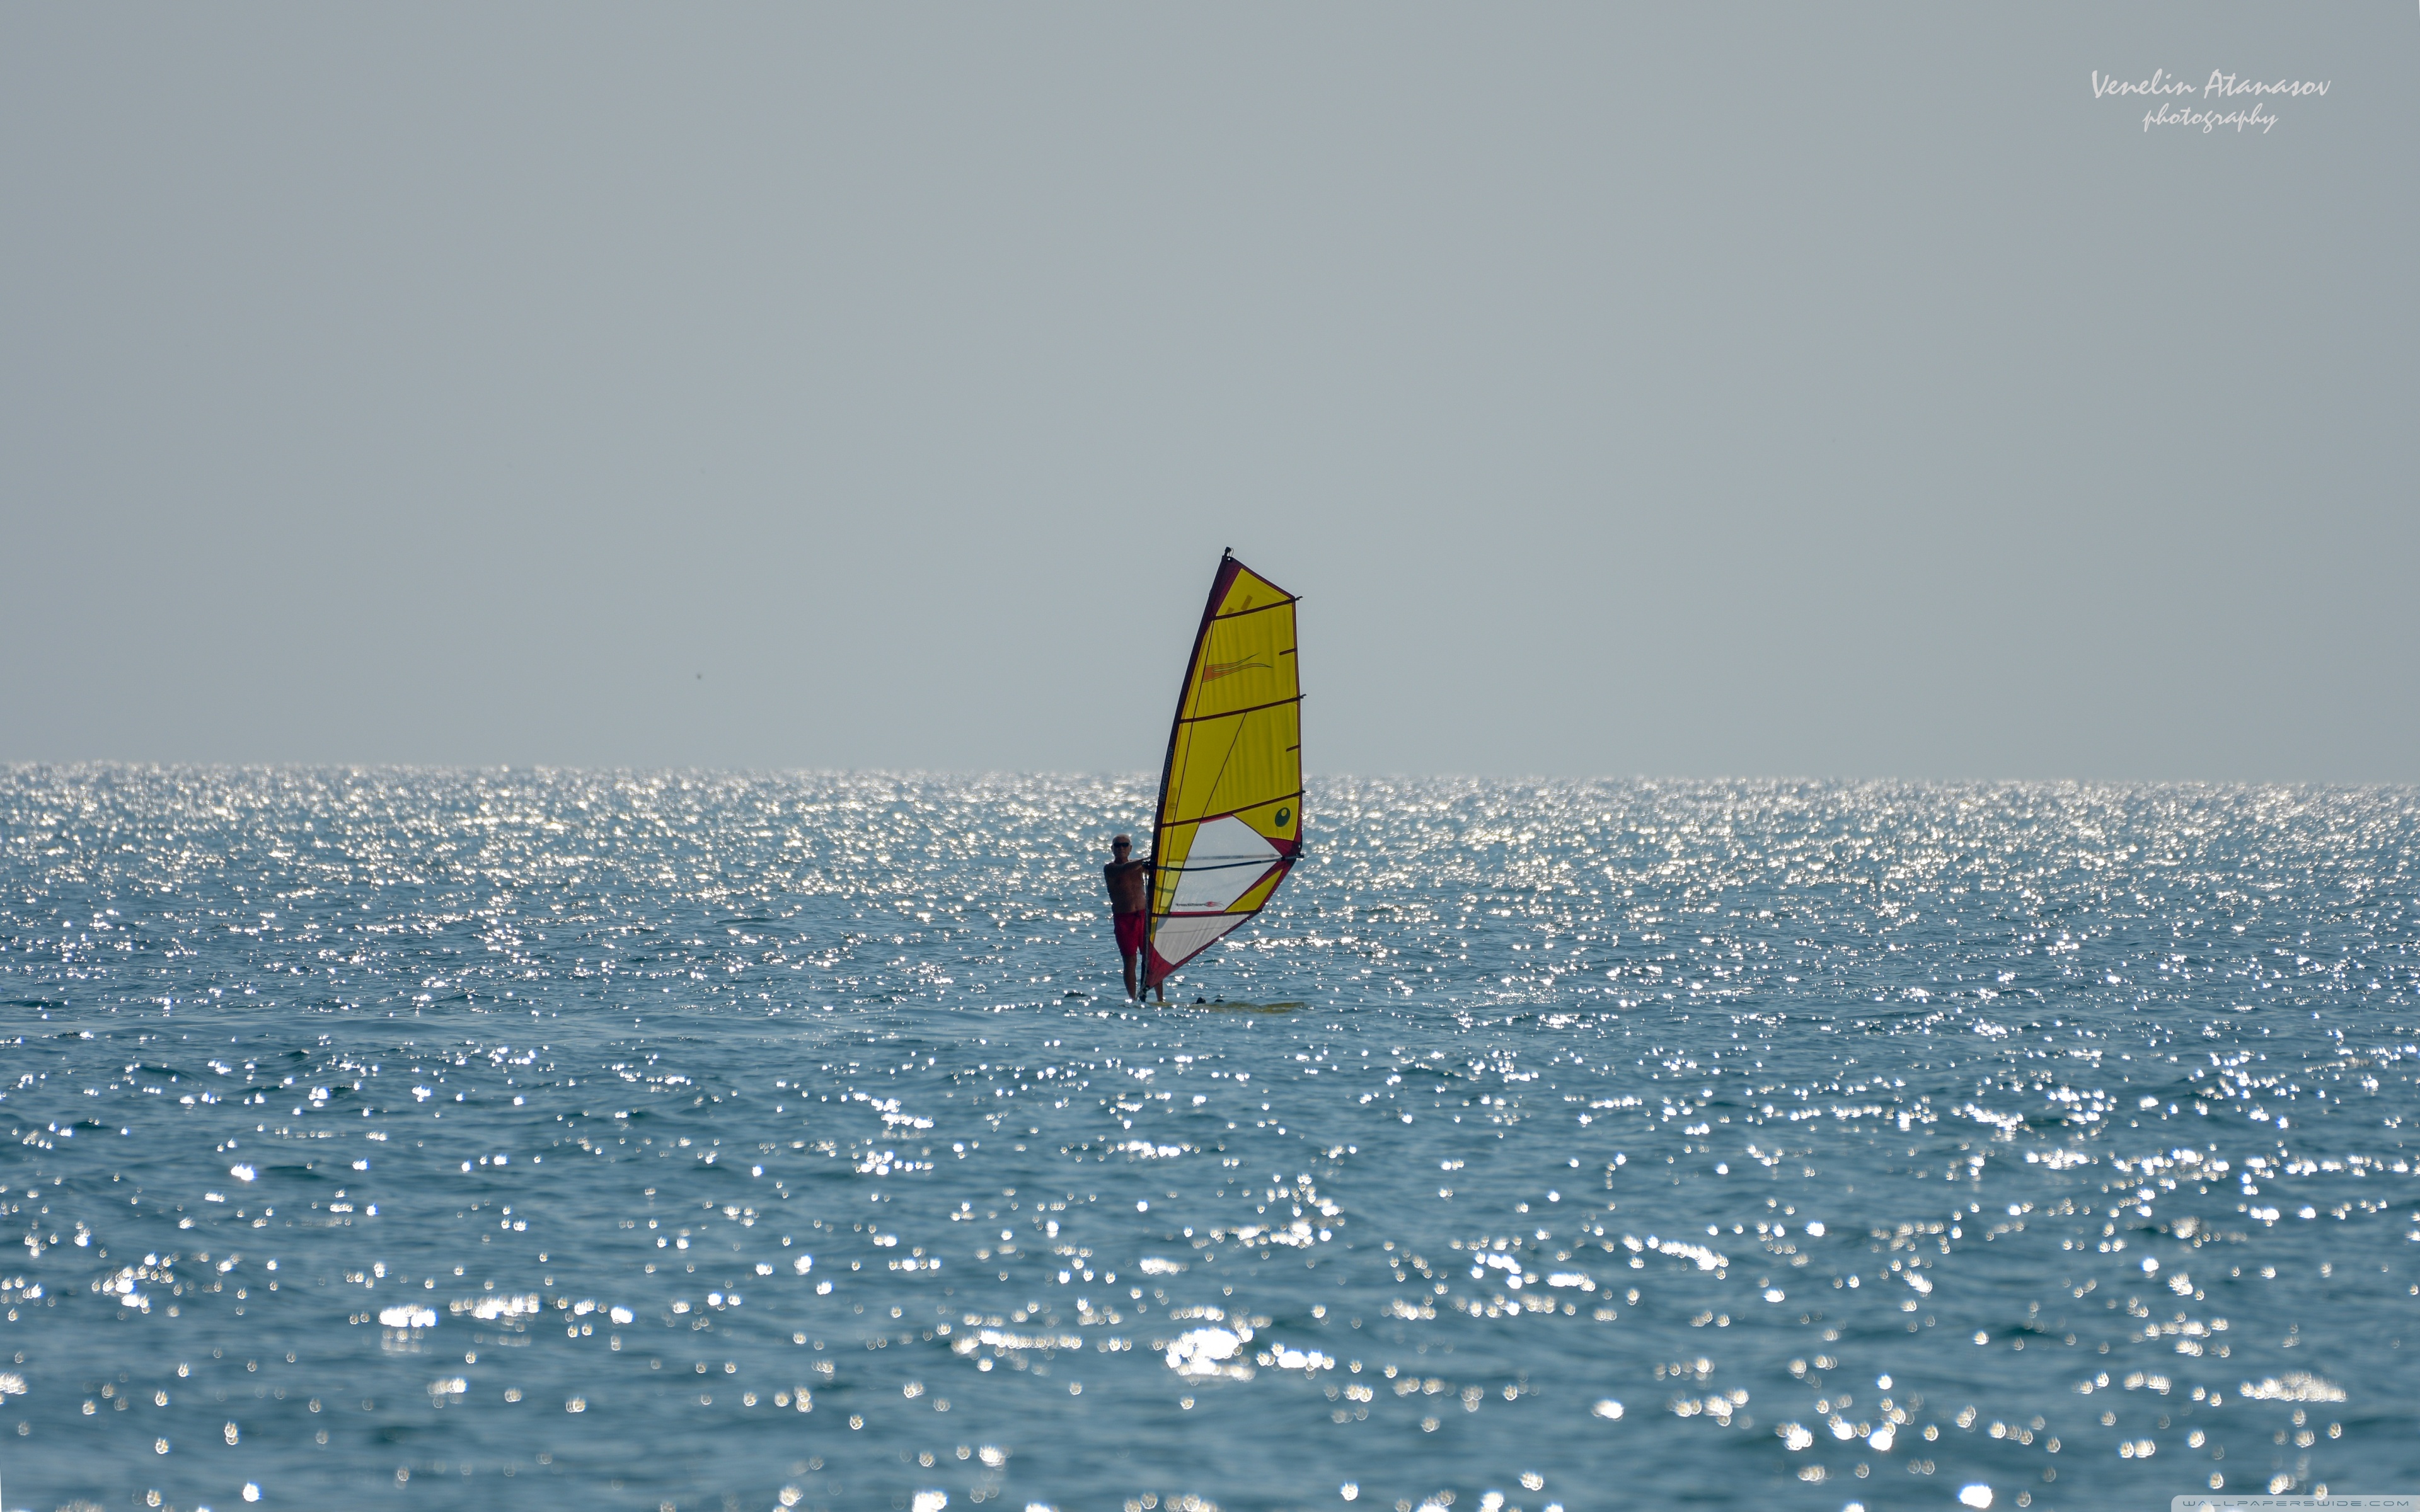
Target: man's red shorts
[(1131, 930)]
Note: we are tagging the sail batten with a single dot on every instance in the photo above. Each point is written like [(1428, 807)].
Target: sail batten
[(1229, 826), (1231, 713)]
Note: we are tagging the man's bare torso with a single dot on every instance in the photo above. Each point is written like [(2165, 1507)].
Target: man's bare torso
[(1129, 886)]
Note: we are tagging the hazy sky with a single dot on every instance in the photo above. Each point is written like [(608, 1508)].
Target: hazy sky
[(1836, 390)]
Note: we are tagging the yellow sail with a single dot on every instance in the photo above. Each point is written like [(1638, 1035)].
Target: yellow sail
[(1230, 824)]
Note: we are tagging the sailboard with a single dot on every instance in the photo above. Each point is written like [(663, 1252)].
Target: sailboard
[(1229, 827)]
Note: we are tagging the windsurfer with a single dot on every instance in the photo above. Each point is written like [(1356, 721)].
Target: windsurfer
[(1129, 884)]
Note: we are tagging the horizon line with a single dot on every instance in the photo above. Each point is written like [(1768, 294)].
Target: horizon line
[(1140, 775)]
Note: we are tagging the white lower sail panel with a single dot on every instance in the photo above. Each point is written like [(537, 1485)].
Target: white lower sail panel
[(1227, 860), (1180, 935)]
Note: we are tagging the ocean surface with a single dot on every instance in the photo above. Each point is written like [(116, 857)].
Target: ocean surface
[(554, 1140)]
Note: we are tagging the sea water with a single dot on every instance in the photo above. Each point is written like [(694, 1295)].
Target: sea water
[(553, 1139)]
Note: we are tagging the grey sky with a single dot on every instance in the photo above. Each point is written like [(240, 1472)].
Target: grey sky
[(1691, 391)]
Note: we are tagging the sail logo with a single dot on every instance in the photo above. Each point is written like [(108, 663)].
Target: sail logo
[(1213, 670)]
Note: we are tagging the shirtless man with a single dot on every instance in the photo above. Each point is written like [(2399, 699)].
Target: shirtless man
[(1129, 907)]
